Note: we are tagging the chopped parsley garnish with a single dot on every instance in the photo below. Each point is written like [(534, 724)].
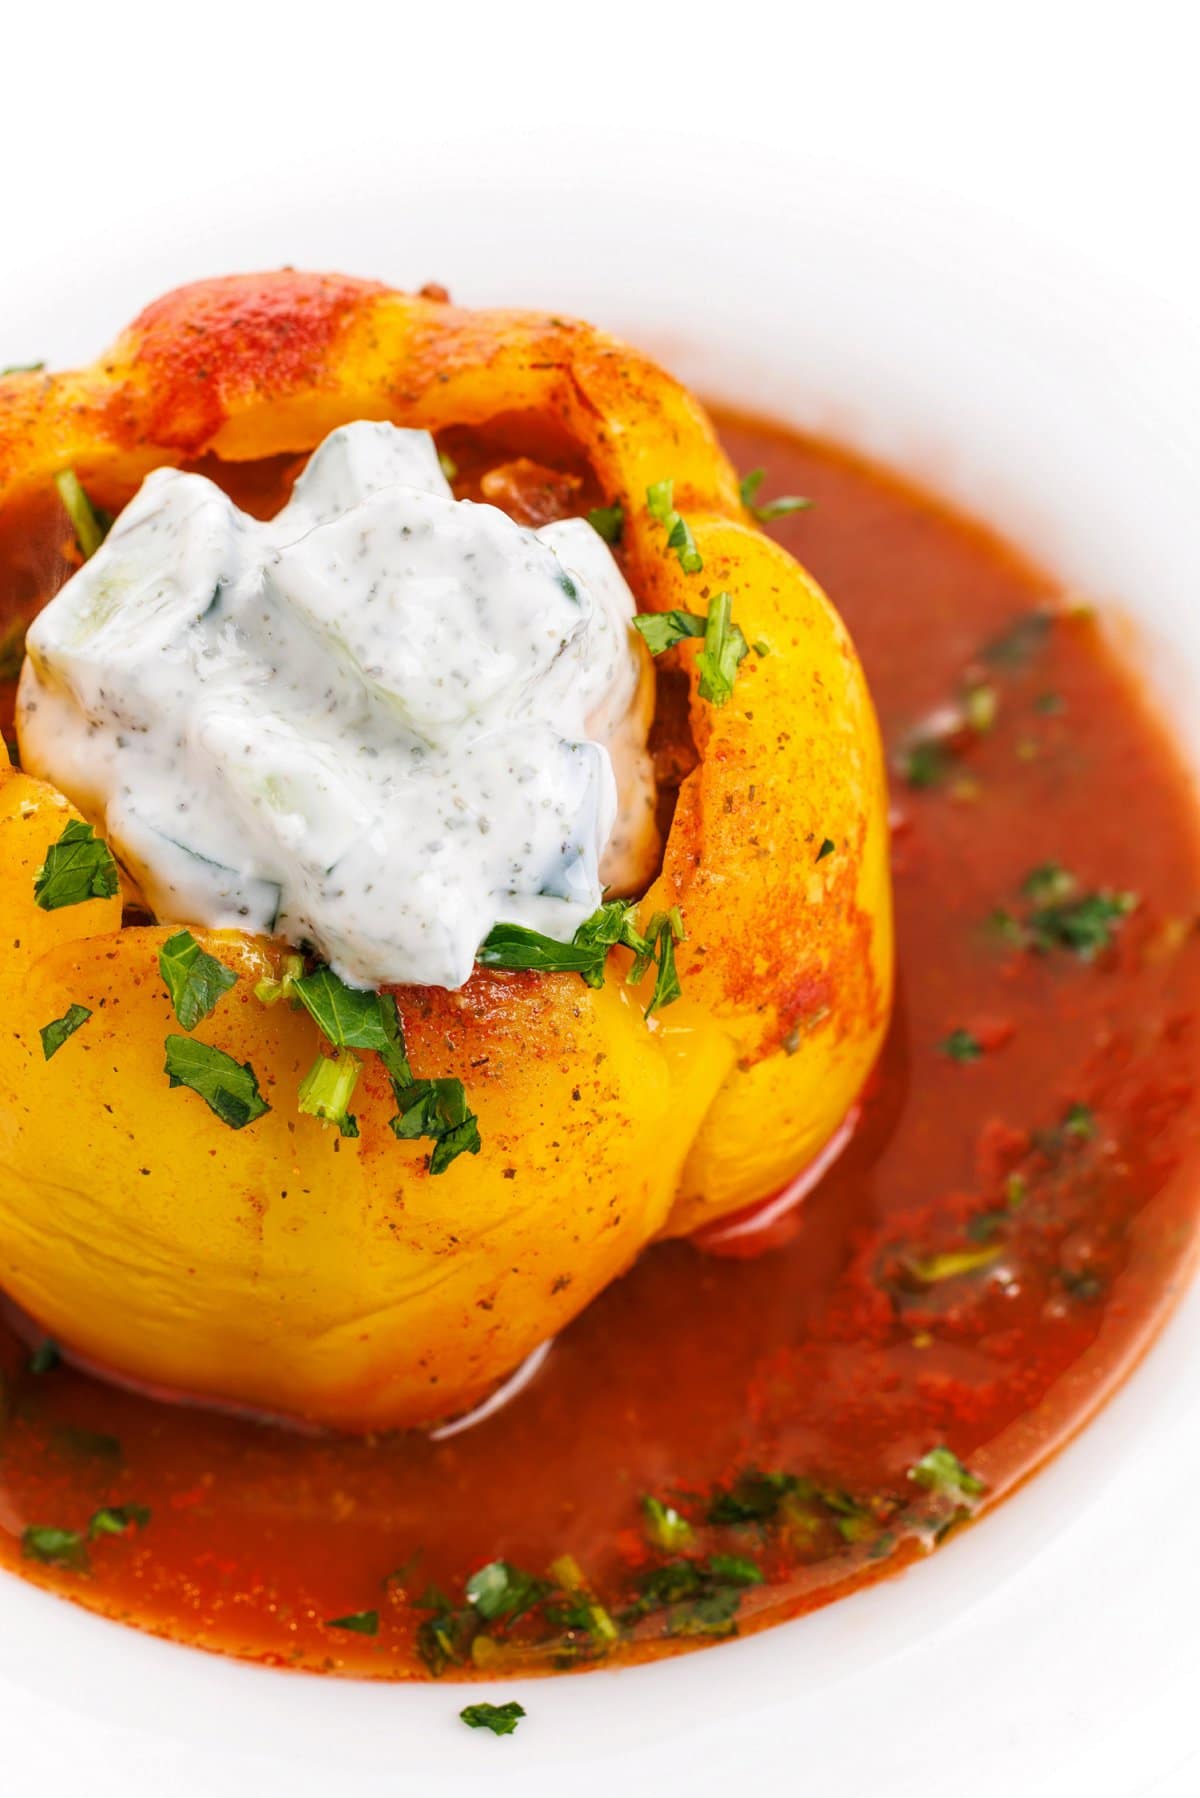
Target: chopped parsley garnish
[(90, 524), (114, 1520), (23, 368), (1080, 1121), (55, 1034), (753, 1498), (360, 1623), (665, 1527), (355, 1019), (327, 1089), (931, 1270), (269, 991), (980, 706), (228, 1087), (78, 867), (1063, 918), (437, 1109), (1020, 642), (924, 763), (660, 502), (608, 522), (501, 1719), (1085, 925), (961, 1046), (502, 1590), (68, 1548), (827, 848), (664, 930), (352, 1018), (725, 647), (941, 1471), (45, 1357), (54, 1547), (771, 508), (512, 946), (663, 630), (1049, 704), (698, 1598), (194, 979)]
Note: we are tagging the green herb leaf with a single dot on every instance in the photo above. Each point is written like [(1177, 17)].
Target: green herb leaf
[(194, 979), (961, 1046), (512, 946), (660, 501), (327, 1089), (502, 1590), (724, 649), (772, 508), (78, 867), (90, 524), (827, 848), (360, 1623), (437, 1109), (54, 1547), (23, 368), (55, 1034), (269, 992), (1020, 642), (753, 1498), (941, 1471), (664, 930), (1048, 884), (501, 1719), (736, 1570), (354, 1019), (1086, 925), (608, 522), (924, 763), (663, 630), (1080, 1121), (45, 1357), (228, 1087), (665, 1527), (931, 1270), (114, 1520)]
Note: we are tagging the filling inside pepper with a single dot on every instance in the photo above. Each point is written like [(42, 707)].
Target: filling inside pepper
[(377, 725)]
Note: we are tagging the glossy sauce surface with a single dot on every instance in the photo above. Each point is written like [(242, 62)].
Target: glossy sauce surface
[(987, 1257)]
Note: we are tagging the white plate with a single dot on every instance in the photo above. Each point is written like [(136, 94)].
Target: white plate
[(1054, 1647)]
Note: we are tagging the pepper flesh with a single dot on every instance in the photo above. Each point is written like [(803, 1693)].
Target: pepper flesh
[(336, 1280)]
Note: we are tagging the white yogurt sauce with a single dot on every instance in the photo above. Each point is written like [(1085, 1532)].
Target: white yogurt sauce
[(377, 724)]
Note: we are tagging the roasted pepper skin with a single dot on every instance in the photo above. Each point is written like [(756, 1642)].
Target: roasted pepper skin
[(338, 1281)]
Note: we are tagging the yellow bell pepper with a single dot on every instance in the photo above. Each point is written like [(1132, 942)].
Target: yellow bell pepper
[(280, 1266)]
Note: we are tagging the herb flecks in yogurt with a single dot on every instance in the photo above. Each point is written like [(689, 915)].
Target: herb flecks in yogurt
[(379, 724)]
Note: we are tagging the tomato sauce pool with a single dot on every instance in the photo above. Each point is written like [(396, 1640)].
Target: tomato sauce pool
[(724, 1440)]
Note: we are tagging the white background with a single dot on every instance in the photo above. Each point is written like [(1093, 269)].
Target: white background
[(141, 146)]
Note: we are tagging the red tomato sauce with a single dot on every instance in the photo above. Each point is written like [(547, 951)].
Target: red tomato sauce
[(984, 1261)]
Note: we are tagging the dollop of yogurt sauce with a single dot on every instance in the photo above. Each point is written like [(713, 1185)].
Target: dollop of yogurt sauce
[(377, 724)]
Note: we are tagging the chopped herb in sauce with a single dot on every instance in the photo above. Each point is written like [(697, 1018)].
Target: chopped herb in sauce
[(660, 502), (961, 1046), (78, 867), (359, 1623), (114, 1520), (1060, 917), (502, 1590), (55, 1034), (665, 1527), (90, 524), (195, 980), (501, 1719), (228, 1087), (753, 1498), (931, 1270), (771, 508), (54, 1547), (941, 1471), (924, 763), (45, 1357)]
